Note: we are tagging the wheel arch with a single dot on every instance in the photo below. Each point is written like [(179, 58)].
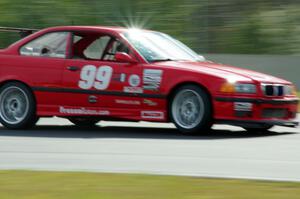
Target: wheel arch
[(21, 82), (177, 86)]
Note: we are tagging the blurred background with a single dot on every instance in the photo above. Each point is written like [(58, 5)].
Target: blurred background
[(213, 27), (208, 26)]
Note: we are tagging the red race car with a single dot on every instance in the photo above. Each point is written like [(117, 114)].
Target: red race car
[(92, 73)]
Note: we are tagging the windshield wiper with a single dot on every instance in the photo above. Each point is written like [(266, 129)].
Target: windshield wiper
[(161, 60)]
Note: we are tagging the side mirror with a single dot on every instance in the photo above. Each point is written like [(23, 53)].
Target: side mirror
[(124, 57), (201, 57), (45, 51)]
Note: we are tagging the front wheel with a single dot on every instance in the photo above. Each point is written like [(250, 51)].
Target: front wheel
[(17, 106), (191, 110)]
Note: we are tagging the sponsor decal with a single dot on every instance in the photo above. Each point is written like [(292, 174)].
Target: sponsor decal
[(92, 99), (152, 79), (119, 77), (150, 102), (152, 115), (134, 80), (129, 89), (123, 77), (243, 106), (82, 111), (128, 102)]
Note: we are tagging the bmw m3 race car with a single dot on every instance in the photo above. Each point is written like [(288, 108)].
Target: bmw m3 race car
[(92, 73)]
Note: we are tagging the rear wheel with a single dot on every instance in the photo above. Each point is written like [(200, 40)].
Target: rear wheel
[(84, 122), (17, 106), (191, 110)]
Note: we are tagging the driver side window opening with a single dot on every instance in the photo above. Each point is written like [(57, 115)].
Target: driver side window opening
[(49, 45), (89, 46)]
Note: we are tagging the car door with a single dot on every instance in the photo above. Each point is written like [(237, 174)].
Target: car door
[(96, 82), (126, 82), (43, 59)]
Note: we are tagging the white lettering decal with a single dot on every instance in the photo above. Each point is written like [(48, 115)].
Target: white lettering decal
[(82, 111), (129, 89), (152, 115), (128, 102)]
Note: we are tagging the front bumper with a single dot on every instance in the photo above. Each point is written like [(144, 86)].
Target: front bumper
[(251, 123), (256, 111)]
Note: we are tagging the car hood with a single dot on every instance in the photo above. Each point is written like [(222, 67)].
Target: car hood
[(227, 71)]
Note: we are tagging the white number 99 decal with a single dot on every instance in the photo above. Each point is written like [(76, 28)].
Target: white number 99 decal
[(103, 77), (92, 77)]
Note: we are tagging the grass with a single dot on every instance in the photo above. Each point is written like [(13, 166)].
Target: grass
[(69, 185)]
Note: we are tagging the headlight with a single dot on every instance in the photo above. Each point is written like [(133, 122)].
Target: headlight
[(238, 88), (245, 88), (290, 90)]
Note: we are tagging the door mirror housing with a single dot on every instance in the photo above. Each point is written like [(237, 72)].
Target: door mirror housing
[(124, 57), (201, 57)]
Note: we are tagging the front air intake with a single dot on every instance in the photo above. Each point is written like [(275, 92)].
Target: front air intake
[(273, 90)]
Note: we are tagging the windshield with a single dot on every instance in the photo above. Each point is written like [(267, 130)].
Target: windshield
[(156, 46)]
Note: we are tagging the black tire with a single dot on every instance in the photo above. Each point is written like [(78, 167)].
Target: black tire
[(17, 106), (84, 122), (258, 128), (187, 109)]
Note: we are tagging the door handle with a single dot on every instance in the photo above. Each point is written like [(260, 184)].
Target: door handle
[(73, 68)]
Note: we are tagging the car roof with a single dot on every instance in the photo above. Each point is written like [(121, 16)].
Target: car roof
[(87, 28), (14, 48)]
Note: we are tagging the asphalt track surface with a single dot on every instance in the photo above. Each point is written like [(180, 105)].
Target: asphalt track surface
[(153, 148)]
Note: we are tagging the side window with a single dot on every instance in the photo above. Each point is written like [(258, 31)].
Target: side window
[(96, 49), (48, 45)]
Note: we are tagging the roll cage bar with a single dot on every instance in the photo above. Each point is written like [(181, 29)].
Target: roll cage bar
[(23, 32)]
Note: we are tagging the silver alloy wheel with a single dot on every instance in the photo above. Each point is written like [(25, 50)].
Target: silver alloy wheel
[(187, 109), (14, 105)]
